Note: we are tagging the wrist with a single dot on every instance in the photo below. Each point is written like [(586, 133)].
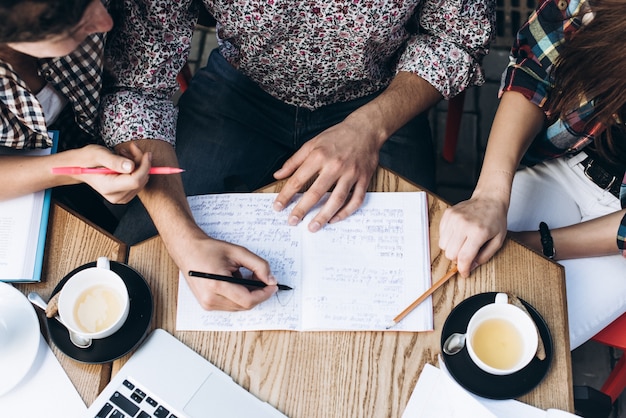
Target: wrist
[(495, 184), (369, 123)]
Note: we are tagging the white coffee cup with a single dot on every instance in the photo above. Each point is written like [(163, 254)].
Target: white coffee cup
[(94, 303), (501, 338)]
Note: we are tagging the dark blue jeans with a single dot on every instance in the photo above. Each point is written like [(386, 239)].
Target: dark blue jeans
[(232, 136)]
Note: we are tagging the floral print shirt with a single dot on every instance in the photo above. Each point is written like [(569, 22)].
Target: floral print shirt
[(306, 53), (313, 53)]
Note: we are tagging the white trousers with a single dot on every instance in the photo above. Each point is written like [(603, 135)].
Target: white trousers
[(558, 193)]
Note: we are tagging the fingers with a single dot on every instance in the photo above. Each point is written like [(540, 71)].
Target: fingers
[(133, 167), (226, 259), (221, 296), (292, 164), (260, 268), (348, 184), (120, 163), (354, 202), (145, 163), (470, 234), (300, 173), (344, 200)]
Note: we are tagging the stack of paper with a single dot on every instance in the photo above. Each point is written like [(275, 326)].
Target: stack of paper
[(438, 395)]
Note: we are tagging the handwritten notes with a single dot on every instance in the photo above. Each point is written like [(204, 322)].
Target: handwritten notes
[(356, 274)]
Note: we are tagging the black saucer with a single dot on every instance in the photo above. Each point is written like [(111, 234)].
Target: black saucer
[(477, 381), (129, 335)]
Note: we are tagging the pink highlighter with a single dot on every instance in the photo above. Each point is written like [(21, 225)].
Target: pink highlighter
[(103, 170)]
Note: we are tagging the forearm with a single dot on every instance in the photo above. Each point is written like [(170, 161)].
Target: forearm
[(31, 174), (516, 123), (164, 197), (592, 238), (407, 96)]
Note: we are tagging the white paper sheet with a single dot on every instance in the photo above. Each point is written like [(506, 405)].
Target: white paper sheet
[(46, 391), (437, 394)]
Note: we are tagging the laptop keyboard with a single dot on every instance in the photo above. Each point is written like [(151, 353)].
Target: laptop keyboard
[(129, 400)]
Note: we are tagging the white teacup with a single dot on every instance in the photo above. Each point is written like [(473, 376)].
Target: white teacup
[(94, 303), (501, 339)]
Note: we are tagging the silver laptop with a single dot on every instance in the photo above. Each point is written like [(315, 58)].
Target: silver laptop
[(166, 379)]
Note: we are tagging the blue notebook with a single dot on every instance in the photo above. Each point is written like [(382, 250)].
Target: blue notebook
[(23, 226)]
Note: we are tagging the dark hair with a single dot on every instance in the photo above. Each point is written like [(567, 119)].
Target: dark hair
[(35, 20), (592, 66)]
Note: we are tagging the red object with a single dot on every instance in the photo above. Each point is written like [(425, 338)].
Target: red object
[(453, 125), (614, 335), (184, 77)]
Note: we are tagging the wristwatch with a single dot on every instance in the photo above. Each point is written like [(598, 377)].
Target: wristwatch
[(546, 240)]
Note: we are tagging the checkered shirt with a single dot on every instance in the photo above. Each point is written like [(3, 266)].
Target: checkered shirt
[(77, 76)]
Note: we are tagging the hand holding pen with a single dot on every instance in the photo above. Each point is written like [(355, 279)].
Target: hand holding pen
[(130, 170)]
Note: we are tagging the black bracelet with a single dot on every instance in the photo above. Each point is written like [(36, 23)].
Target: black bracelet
[(546, 240)]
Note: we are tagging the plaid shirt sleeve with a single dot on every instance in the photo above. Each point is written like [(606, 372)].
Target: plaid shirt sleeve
[(145, 52), (533, 55), (536, 48)]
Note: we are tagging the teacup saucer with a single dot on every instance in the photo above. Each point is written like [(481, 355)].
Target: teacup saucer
[(481, 383), (123, 341)]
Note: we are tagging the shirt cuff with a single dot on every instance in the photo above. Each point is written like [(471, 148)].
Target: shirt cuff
[(524, 79), (446, 67), (131, 115)]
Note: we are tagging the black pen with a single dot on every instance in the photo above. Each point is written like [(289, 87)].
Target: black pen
[(236, 280)]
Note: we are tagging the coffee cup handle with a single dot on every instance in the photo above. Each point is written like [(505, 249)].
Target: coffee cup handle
[(103, 263), (502, 298)]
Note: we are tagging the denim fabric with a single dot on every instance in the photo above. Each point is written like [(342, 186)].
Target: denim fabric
[(232, 136)]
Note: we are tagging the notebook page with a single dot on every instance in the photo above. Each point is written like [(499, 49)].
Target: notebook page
[(361, 272), (248, 220)]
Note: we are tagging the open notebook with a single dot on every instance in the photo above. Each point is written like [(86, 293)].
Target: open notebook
[(353, 275), (165, 378)]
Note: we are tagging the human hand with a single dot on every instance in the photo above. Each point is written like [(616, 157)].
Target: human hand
[(345, 156), (133, 167), (472, 231), (219, 257)]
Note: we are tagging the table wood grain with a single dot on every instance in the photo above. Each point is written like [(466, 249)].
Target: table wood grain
[(71, 242), (366, 374)]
